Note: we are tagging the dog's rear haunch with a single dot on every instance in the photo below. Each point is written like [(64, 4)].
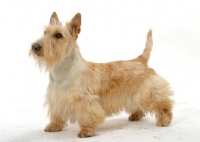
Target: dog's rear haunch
[(87, 92)]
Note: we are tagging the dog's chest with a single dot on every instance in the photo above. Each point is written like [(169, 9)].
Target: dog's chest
[(61, 99)]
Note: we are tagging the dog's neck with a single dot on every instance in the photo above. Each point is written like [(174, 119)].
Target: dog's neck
[(69, 67)]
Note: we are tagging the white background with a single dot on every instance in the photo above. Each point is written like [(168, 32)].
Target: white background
[(111, 30)]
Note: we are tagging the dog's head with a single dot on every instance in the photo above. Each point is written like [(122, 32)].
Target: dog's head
[(57, 41)]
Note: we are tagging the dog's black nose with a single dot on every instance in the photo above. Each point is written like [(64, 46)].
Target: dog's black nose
[(36, 47)]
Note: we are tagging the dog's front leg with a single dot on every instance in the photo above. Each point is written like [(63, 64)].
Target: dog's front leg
[(89, 115), (58, 116), (57, 123)]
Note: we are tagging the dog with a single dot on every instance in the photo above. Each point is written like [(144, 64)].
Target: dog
[(87, 92)]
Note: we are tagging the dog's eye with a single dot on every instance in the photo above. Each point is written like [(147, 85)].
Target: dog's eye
[(58, 35), (45, 32)]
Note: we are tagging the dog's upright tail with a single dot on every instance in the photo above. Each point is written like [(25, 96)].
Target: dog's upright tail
[(149, 43)]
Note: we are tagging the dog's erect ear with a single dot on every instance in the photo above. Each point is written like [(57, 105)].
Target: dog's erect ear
[(75, 25), (54, 19)]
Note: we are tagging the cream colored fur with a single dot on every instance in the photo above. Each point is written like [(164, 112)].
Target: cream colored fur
[(87, 92)]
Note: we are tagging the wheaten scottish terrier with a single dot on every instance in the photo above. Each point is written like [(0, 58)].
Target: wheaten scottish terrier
[(87, 92)]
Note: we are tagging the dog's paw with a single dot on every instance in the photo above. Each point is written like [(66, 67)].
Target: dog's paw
[(52, 128), (136, 116), (85, 133), (163, 122)]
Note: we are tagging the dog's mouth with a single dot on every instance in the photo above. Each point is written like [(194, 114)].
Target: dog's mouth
[(37, 54)]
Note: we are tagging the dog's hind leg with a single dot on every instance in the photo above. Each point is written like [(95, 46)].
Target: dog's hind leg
[(136, 115), (162, 107), (157, 100), (163, 113), (131, 108)]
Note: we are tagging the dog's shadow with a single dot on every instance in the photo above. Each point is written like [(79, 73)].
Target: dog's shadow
[(118, 123), (40, 135), (111, 125)]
